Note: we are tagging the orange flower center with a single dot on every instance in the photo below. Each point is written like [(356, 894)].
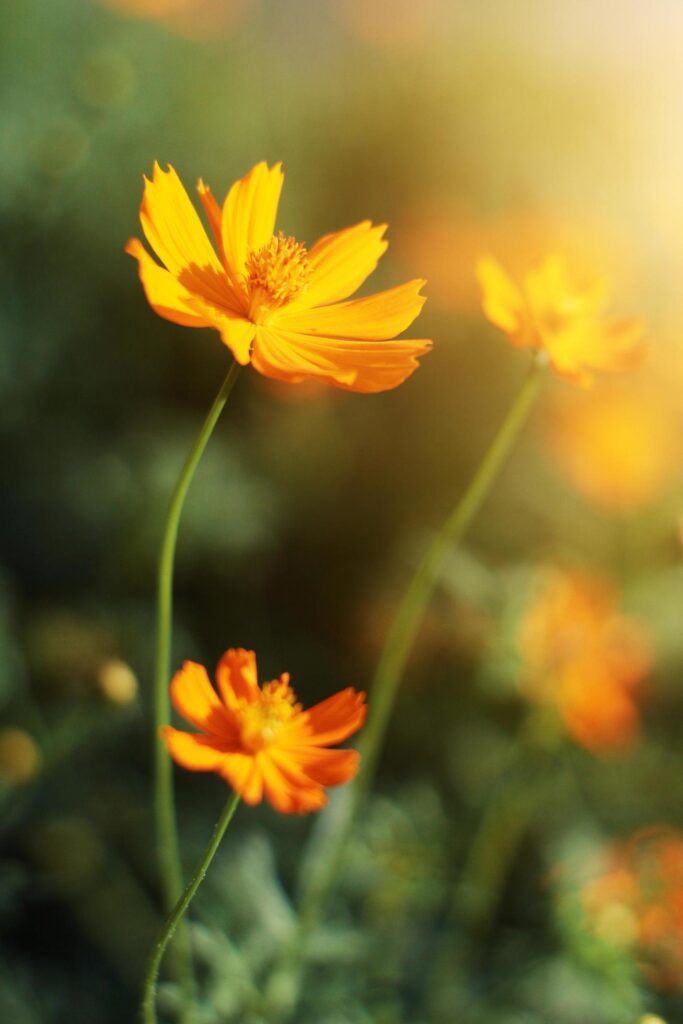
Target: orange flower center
[(262, 721), (275, 275)]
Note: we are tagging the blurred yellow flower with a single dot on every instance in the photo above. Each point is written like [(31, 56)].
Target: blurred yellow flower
[(619, 448), (444, 243), (641, 881), (582, 655), (117, 682), (20, 757), (275, 304), (554, 314)]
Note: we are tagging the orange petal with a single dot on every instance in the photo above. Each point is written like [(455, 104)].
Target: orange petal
[(165, 295), (243, 773), (288, 792), (328, 767), (335, 719), (341, 261), (376, 317), (172, 225), (237, 677), (196, 700), (196, 753), (365, 366), (249, 213)]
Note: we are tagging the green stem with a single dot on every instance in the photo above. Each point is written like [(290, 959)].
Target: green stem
[(168, 852), (147, 1010), (402, 636)]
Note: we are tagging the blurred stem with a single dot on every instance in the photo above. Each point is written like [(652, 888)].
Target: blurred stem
[(402, 636), (168, 851), (147, 1008)]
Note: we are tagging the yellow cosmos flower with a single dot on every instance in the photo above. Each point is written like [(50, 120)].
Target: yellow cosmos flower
[(275, 304), (554, 314)]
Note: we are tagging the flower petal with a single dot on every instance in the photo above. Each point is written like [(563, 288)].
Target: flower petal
[(243, 772), (612, 346), (172, 225), (328, 767), (340, 262), (376, 317), (287, 790), (197, 753), (165, 295), (335, 719), (365, 366), (213, 213), (237, 677), (502, 301), (249, 213), (173, 229), (196, 700)]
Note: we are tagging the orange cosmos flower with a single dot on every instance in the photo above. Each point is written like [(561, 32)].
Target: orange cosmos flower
[(275, 304), (585, 657), (259, 739), (640, 888), (552, 313), (192, 18)]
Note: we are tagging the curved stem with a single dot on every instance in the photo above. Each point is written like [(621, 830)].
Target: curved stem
[(168, 853), (147, 1010), (402, 636)]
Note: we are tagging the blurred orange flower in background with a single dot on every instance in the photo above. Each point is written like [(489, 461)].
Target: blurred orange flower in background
[(275, 304), (259, 739), (640, 890), (553, 313), (444, 243), (194, 18), (393, 24), (619, 448), (582, 655)]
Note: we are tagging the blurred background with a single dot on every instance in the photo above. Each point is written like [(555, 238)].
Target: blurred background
[(522, 858)]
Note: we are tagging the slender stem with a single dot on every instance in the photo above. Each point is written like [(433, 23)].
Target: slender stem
[(168, 853), (402, 636), (147, 1010)]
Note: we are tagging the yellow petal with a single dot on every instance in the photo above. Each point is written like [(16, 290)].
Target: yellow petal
[(213, 213), (365, 366), (172, 225), (236, 332), (340, 262), (376, 317), (249, 213), (502, 301), (613, 347), (165, 295)]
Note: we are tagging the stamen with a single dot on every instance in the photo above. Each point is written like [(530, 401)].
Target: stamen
[(276, 274), (262, 720)]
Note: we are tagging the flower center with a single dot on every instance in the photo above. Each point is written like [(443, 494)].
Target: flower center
[(275, 275), (262, 721)]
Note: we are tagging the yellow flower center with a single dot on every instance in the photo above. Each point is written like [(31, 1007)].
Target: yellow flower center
[(262, 721), (275, 275)]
